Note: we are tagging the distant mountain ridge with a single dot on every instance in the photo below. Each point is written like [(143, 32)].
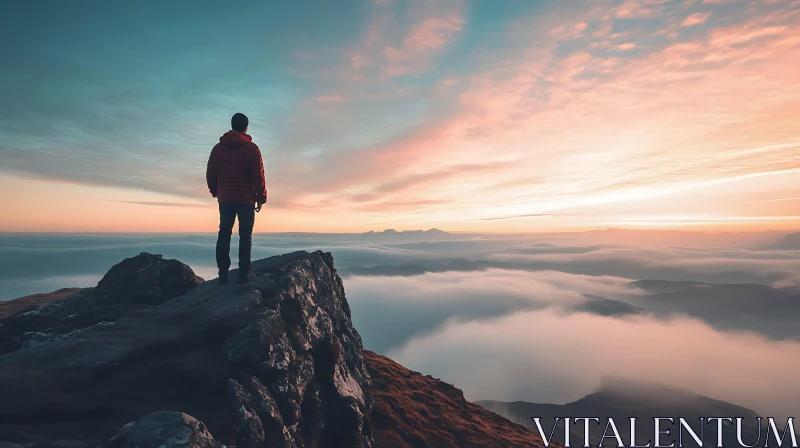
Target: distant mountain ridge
[(620, 398), (433, 231), (789, 241), (409, 236)]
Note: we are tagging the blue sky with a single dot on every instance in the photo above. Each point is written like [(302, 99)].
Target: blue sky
[(462, 114)]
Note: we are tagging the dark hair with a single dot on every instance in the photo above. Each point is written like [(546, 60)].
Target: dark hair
[(239, 122)]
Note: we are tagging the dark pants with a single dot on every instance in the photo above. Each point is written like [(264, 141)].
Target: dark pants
[(227, 215)]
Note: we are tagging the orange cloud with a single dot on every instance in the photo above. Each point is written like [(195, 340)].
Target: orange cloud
[(697, 18)]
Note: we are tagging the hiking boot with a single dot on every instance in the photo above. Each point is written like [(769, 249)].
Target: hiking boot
[(223, 279), (245, 276)]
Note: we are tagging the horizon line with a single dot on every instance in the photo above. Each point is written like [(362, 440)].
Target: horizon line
[(454, 232)]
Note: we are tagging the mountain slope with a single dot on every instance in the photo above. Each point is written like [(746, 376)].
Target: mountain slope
[(15, 306), (621, 398), (414, 410)]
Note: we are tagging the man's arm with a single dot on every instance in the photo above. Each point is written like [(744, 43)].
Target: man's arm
[(257, 176), (211, 174)]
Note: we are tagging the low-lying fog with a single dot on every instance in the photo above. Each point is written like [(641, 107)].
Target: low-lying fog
[(539, 318)]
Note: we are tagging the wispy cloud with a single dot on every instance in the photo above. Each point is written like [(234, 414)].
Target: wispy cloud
[(697, 18), (397, 46), (166, 204), (530, 215), (774, 200), (329, 99)]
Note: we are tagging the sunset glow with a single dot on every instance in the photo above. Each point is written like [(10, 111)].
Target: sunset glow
[(512, 116)]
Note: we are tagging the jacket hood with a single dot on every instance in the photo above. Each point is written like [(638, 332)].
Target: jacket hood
[(234, 139)]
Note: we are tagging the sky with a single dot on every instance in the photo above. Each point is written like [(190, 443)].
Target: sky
[(509, 116)]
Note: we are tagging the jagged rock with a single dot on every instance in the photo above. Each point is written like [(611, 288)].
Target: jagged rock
[(164, 430), (145, 279), (274, 362), (257, 416), (130, 286)]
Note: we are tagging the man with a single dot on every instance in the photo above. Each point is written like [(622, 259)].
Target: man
[(235, 176)]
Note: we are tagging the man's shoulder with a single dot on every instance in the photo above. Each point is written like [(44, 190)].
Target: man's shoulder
[(252, 147)]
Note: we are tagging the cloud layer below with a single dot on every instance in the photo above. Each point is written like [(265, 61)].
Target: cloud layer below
[(508, 317), (545, 356)]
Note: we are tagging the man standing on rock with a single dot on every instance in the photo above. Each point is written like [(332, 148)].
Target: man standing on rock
[(235, 176)]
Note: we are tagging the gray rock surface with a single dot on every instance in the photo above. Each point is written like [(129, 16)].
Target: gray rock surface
[(274, 362), (134, 284), (164, 429)]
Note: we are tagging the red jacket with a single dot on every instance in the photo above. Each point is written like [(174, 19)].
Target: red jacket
[(235, 172)]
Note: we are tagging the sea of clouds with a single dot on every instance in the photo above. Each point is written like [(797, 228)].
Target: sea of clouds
[(539, 318)]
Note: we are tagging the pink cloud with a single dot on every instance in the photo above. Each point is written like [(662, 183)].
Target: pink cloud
[(635, 9), (568, 32), (697, 18), (425, 40), (329, 99), (399, 44)]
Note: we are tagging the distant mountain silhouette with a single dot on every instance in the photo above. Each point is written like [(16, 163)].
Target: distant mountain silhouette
[(607, 307), (433, 231), (658, 286), (789, 241), (602, 264), (621, 398), (773, 312)]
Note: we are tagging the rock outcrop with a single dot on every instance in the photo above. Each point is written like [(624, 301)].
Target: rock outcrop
[(133, 285), (164, 429), (274, 362)]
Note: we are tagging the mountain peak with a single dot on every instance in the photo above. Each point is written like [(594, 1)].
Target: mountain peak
[(630, 386)]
